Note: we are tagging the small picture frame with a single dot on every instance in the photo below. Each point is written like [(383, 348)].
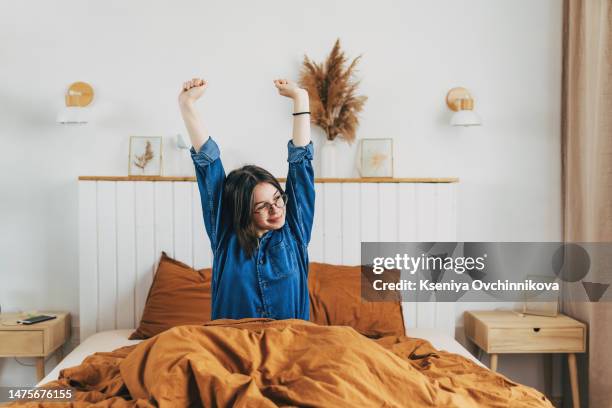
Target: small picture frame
[(145, 157), (376, 157), (550, 309), (545, 305)]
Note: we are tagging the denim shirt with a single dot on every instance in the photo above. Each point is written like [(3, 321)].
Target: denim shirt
[(273, 282)]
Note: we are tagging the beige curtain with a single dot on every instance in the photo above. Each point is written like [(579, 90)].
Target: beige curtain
[(587, 174)]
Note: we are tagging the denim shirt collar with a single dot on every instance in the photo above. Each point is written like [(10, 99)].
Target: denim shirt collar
[(274, 236)]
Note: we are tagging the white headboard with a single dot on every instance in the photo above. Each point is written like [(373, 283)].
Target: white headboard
[(124, 225)]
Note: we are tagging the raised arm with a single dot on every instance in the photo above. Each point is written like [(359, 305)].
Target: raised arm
[(300, 187), (191, 92), (301, 123), (206, 159)]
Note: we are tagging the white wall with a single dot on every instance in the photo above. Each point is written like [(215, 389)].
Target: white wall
[(136, 55)]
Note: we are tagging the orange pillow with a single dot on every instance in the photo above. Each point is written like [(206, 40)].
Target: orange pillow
[(178, 295), (335, 299)]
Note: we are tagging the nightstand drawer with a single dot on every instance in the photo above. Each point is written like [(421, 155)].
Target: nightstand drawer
[(21, 343), (536, 340)]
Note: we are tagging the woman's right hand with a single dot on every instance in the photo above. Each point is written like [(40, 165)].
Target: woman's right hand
[(192, 90)]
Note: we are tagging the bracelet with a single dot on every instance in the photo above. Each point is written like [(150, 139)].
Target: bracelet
[(301, 113)]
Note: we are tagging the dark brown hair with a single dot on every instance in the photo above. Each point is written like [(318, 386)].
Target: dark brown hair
[(238, 203)]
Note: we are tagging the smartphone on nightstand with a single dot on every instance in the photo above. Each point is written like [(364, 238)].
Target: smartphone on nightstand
[(36, 319)]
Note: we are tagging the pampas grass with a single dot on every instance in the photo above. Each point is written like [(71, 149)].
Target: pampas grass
[(334, 105)]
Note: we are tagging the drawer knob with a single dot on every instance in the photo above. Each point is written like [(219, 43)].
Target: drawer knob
[(536, 329)]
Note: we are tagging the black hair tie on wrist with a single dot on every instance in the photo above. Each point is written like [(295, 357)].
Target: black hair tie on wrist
[(301, 113)]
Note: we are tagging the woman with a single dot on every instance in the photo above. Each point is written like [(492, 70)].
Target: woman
[(259, 233)]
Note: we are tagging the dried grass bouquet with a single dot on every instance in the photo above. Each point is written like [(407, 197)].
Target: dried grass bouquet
[(334, 104)]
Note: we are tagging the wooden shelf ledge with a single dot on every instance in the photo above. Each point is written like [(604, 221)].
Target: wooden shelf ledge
[(317, 180)]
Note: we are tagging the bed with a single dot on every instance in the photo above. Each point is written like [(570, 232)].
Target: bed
[(113, 339), (125, 225), (270, 363)]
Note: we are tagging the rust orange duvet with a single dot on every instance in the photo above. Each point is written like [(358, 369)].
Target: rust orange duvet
[(287, 363)]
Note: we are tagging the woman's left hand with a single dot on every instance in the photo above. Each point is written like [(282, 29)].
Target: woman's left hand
[(289, 89)]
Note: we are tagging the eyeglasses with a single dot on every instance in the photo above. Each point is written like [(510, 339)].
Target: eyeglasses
[(279, 202)]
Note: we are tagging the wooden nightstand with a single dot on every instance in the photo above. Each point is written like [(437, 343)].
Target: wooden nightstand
[(506, 332), (36, 340)]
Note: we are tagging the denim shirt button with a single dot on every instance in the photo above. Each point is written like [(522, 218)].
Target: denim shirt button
[(261, 261)]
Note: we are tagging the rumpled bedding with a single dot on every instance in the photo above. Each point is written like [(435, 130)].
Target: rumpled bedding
[(288, 363)]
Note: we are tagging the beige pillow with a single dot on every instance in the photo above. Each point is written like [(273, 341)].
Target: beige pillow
[(178, 295), (335, 299)]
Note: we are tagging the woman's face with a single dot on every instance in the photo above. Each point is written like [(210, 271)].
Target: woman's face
[(267, 216)]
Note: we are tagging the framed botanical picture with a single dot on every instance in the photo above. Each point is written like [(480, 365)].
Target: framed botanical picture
[(376, 158), (145, 156)]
